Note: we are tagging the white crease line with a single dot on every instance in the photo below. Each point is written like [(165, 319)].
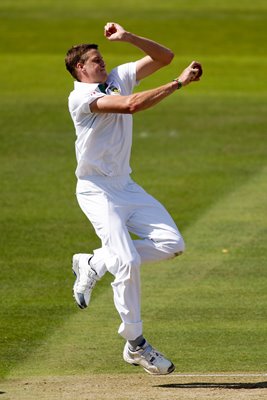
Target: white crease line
[(212, 375)]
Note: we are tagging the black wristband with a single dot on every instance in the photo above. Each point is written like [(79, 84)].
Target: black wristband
[(179, 83)]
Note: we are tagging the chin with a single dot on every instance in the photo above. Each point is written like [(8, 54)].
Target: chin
[(104, 77)]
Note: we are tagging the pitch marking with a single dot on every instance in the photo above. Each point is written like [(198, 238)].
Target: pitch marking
[(213, 375)]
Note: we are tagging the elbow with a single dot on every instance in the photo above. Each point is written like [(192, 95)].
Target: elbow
[(169, 57)]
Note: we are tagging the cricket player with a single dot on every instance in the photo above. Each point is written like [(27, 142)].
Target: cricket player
[(101, 106)]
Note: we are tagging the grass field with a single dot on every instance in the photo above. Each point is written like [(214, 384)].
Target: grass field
[(202, 152)]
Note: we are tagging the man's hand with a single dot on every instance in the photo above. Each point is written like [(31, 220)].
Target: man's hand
[(156, 55), (191, 74), (113, 31)]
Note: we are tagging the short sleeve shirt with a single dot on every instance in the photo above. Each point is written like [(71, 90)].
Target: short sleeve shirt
[(104, 141)]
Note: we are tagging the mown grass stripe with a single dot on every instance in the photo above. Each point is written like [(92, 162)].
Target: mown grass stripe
[(87, 342)]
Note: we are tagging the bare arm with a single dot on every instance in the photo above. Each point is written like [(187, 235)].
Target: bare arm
[(134, 102), (141, 101), (157, 55)]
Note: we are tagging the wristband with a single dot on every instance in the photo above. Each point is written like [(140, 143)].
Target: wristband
[(179, 83)]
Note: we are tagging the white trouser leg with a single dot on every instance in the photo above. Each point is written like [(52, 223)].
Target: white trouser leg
[(115, 208), (160, 237), (119, 254), (126, 285)]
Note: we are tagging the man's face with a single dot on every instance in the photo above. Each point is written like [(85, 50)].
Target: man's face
[(93, 69)]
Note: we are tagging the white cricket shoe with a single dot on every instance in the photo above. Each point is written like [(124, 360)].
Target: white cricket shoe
[(149, 358), (86, 279)]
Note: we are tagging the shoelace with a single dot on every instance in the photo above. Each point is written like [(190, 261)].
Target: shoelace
[(90, 281), (151, 354)]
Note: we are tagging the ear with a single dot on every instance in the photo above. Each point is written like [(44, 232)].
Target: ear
[(79, 66)]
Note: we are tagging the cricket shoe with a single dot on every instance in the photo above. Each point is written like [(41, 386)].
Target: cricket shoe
[(149, 358), (86, 279)]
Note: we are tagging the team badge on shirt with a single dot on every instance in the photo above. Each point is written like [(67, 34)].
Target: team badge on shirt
[(108, 88), (114, 90)]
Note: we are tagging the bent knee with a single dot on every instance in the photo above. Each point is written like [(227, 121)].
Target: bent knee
[(172, 247), (135, 261), (124, 263), (176, 247), (131, 261), (179, 247)]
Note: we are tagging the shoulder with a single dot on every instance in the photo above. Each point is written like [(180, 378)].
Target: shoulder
[(82, 89), (124, 70), (84, 92), (82, 96)]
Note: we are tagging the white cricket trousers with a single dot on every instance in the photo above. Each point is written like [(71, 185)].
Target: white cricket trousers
[(116, 206)]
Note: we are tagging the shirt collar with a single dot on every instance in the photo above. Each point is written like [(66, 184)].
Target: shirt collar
[(85, 86), (102, 87)]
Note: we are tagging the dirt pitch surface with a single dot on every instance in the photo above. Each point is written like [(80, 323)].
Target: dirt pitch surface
[(137, 386)]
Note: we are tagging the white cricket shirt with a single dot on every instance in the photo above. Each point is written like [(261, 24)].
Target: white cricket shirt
[(104, 141)]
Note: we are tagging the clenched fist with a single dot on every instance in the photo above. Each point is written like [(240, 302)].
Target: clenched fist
[(113, 31), (191, 74)]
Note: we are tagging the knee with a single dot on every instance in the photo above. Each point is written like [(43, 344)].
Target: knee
[(134, 261), (175, 247), (116, 262), (179, 247), (128, 269), (130, 263)]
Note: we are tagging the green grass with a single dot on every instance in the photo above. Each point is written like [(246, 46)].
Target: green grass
[(202, 153)]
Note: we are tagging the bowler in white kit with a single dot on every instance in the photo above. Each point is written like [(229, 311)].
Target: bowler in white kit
[(101, 106)]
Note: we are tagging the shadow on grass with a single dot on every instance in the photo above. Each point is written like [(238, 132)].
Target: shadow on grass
[(204, 385)]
